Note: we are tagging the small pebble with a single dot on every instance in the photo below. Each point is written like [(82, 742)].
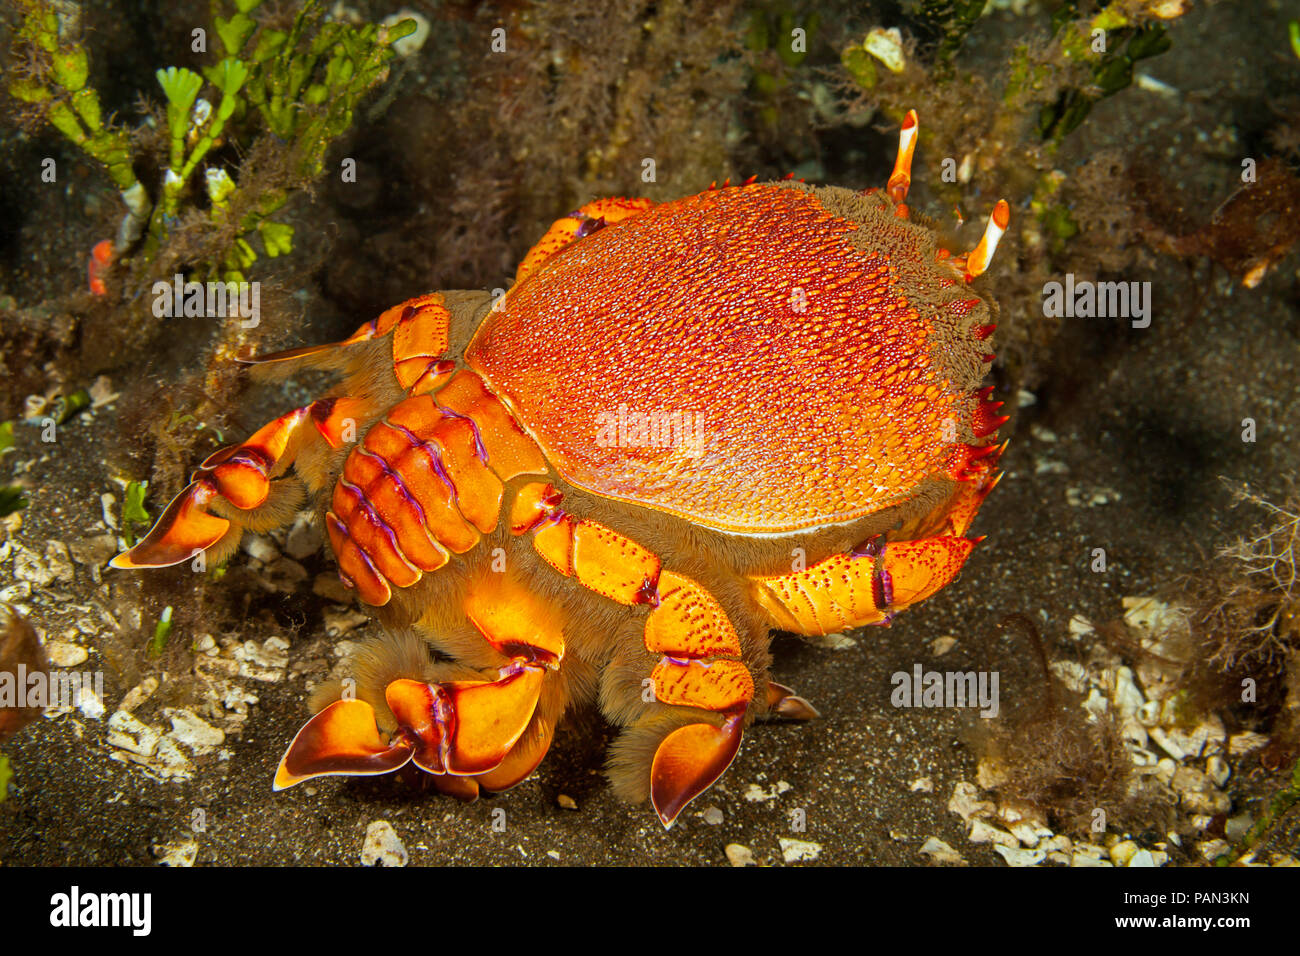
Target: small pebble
[(138, 695), (566, 802), (739, 855), (942, 645), (304, 538), (63, 654), (1212, 849), (981, 832), (1238, 826), (1121, 853), (260, 548)]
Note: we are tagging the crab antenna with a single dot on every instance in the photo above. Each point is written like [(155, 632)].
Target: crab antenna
[(901, 179), (979, 258)]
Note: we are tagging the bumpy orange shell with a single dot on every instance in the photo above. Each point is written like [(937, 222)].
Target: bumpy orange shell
[(806, 356)]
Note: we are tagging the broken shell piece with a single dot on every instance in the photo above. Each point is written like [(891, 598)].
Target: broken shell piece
[(1017, 857), (1244, 743), (1218, 770), (966, 802), (1128, 700), (1121, 853), (981, 832), (940, 852)]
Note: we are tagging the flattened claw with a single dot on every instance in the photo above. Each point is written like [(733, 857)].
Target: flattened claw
[(687, 763), (182, 530), (341, 740), (490, 717)]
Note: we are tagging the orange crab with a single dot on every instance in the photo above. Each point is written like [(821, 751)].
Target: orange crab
[(684, 426)]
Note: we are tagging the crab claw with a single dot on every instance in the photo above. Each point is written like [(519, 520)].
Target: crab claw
[(341, 739), (687, 763), (184, 529), (490, 717), (467, 727)]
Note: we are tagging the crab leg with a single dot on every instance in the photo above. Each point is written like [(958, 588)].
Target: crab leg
[(577, 224), (875, 581), (699, 664), (420, 338), (239, 477), (237, 480), (341, 739), (699, 668), (861, 587), (425, 482)]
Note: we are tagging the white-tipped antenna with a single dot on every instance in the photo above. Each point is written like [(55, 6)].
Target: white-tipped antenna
[(977, 262), (900, 180)]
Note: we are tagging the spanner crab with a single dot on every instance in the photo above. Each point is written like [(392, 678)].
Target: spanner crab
[(685, 425)]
